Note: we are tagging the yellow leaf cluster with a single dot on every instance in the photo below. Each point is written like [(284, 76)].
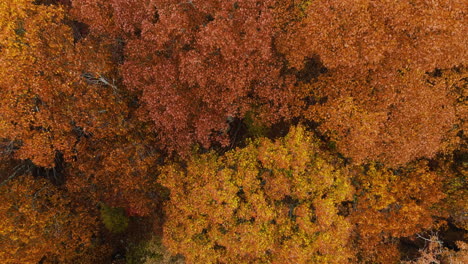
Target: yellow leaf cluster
[(270, 202)]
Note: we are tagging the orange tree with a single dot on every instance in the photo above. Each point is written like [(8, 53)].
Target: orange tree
[(41, 223), (45, 98), (60, 94), (270, 202), (377, 100), (416, 116), (391, 204), (365, 35)]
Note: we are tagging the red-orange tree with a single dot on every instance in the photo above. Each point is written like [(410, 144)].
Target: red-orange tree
[(46, 102), (197, 63), (270, 202), (366, 35)]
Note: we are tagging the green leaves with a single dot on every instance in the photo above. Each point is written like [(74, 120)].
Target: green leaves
[(114, 218)]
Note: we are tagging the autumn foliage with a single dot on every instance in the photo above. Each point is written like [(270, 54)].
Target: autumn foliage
[(59, 96), (272, 201), (392, 204), (416, 116), (45, 99), (366, 35), (248, 131), (41, 223), (379, 100), (198, 64)]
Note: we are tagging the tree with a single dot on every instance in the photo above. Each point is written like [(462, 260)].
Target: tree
[(415, 116), (377, 100), (272, 201), (41, 223), (46, 102), (365, 35), (119, 170), (454, 168), (198, 63), (391, 204), (61, 95)]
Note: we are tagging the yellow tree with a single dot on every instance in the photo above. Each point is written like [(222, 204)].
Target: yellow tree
[(270, 202)]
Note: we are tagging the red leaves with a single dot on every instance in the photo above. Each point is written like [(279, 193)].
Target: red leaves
[(199, 63)]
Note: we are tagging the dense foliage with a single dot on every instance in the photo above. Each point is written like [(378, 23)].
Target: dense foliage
[(377, 100), (268, 202), (198, 64), (248, 131), (41, 223)]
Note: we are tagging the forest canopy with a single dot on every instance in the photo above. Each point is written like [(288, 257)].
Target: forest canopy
[(233, 131)]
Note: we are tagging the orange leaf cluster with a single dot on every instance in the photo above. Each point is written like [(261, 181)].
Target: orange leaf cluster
[(41, 224), (393, 204), (377, 100)]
